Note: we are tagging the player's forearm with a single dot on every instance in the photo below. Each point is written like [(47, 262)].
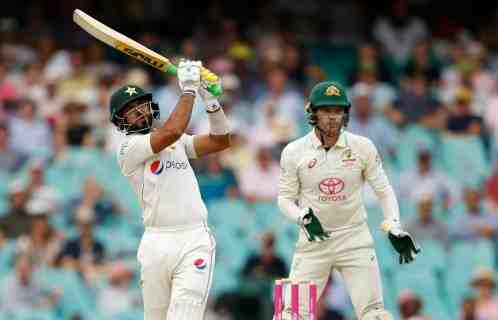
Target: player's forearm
[(219, 129), (176, 124), (390, 208), (289, 208)]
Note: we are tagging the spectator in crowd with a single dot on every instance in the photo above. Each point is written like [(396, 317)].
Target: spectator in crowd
[(16, 221), (36, 186), (93, 196), (373, 69), (216, 182), (410, 306), (240, 156), (28, 134), (77, 83), (117, 295), (486, 306), (8, 90), (423, 62), (266, 263), (468, 309), (367, 123), (259, 182), (423, 225), (51, 106), (31, 84), (43, 243), (425, 179), (400, 32), (10, 160), (282, 102), (491, 112), (413, 101), (475, 223), (259, 270), (462, 120), (84, 252), (21, 292), (491, 184), (72, 123)]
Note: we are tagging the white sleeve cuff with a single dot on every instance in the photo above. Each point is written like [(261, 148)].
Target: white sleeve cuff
[(218, 123)]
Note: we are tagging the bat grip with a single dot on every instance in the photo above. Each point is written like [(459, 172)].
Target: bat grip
[(213, 85)]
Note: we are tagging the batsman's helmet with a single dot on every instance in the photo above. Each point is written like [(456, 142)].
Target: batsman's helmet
[(121, 98), (327, 94)]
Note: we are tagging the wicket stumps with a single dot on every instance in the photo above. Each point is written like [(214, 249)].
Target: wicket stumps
[(294, 303)]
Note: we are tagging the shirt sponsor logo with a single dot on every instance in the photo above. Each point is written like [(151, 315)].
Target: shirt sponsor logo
[(330, 188), (347, 158), (312, 163), (200, 264), (178, 165), (339, 197), (156, 167)]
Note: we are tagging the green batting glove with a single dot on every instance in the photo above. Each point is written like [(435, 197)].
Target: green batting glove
[(404, 244), (311, 226)]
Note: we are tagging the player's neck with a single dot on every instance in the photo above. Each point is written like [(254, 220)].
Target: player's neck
[(328, 141)]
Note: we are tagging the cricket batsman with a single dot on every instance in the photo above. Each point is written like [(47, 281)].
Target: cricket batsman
[(176, 253), (320, 189)]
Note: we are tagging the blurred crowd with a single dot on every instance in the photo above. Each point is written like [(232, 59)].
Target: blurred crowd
[(424, 90)]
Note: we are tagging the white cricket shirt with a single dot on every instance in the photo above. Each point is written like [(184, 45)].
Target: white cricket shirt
[(331, 181), (165, 183)]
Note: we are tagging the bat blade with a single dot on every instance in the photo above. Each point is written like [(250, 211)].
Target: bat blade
[(121, 42), (138, 51)]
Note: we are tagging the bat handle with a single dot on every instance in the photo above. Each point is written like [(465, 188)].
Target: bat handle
[(213, 86)]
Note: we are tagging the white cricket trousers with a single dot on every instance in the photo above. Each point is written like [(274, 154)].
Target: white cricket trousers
[(176, 272), (351, 252)]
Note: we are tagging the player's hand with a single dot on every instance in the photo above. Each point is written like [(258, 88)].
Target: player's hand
[(404, 244), (211, 103), (189, 75), (311, 226)]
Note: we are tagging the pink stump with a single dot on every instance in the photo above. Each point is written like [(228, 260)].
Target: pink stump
[(277, 303), (313, 301), (295, 300)]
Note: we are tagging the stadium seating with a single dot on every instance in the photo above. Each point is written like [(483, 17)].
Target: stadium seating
[(464, 258), (464, 159)]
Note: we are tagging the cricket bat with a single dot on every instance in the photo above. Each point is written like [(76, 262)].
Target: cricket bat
[(138, 51)]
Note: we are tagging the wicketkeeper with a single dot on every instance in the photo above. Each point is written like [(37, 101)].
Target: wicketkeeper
[(322, 175)]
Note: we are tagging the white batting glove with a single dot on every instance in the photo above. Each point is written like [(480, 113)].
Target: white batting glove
[(211, 103), (189, 75)]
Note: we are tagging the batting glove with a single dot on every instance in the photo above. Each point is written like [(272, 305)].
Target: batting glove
[(211, 103), (189, 75), (311, 226)]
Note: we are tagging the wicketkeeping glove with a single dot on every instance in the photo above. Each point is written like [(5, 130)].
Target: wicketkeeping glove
[(404, 244), (311, 226)]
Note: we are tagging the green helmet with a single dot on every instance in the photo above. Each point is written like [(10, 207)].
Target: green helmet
[(327, 94), (121, 97)]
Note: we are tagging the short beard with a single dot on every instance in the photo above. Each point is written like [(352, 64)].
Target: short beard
[(331, 132)]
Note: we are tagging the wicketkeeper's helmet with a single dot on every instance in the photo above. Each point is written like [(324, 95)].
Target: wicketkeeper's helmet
[(327, 94)]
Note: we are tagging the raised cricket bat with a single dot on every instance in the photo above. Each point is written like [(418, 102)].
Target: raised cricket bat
[(136, 50)]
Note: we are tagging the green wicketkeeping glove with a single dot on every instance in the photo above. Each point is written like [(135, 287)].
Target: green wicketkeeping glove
[(404, 244), (311, 226)]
